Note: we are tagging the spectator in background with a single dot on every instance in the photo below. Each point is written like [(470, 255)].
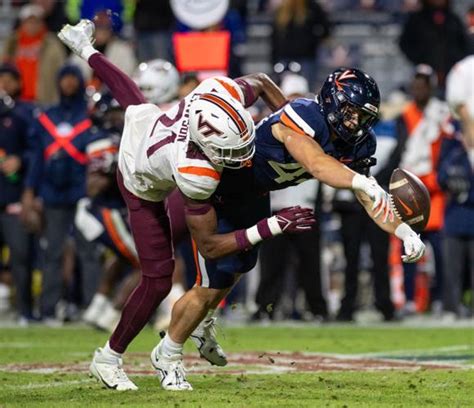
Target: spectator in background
[(422, 124), (153, 22), (469, 18), (188, 83), (11, 84), (298, 28), (54, 14), (456, 177), (460, 96), (62, 135), (117, 51), (13, 163), (436, 36), (37, 54), (356, 226), (119, 11)]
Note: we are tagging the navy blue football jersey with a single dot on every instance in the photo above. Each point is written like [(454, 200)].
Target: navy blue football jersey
[(273, 168)]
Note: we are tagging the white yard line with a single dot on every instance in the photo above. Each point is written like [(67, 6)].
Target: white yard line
[(32, 385)]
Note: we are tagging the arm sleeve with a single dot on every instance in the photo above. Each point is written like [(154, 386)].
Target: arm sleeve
[(121, 86)]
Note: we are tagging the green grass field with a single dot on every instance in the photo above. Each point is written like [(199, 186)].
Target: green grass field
[(42, 367)]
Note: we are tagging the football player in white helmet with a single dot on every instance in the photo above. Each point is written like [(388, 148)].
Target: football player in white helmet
[(158, 80), (187, 147)]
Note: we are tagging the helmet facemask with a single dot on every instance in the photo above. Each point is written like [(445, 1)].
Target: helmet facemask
[(234, 157), (352, 122)]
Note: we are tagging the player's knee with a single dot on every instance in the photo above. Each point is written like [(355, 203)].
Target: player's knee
[(156, 268)]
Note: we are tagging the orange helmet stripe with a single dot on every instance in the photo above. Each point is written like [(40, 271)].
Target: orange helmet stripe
[(231, 89)]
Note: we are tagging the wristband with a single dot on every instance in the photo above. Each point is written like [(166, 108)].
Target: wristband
[(403, 231), (359, 182), (264, 229)]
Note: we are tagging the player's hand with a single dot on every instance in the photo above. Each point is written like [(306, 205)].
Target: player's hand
[(79, 37), (294, 220), (381, 199), (412, 244)]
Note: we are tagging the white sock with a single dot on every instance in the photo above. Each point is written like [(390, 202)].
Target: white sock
[(108, 352), (170, 348)]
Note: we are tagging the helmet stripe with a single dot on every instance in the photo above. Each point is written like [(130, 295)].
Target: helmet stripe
[(229, 88), (227, 108)]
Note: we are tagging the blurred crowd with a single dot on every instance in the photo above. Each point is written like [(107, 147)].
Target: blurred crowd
[(60, 129)]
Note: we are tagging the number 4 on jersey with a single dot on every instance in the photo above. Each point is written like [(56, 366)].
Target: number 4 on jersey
[(288, 172)]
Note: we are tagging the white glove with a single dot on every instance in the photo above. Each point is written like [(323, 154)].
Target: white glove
[(413, 245), (378, 195), (79, 38)]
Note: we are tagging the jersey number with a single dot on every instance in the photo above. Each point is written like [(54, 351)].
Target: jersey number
[(288, 172)]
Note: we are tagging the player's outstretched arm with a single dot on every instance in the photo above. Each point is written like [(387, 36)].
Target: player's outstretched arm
[(413, 245), (201, 219), (79, 39), (306, 151), (261, 85)]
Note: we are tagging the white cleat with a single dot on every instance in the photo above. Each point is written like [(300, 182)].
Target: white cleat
[(204, 337), (171, 370), (78, 36), (109, 372)]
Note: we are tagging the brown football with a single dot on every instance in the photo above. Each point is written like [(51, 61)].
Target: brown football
[(411, 199)]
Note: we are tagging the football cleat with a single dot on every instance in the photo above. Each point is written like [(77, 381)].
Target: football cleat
[(171, 370), (78, 36), (95, 309), (109, 319), (109, 371), (204, 337)]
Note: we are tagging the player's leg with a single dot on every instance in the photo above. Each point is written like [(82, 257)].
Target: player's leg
[(152, 233), (379, 242), (351, 231)]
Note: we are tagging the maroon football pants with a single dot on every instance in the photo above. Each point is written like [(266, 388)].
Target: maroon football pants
[(151, 229)]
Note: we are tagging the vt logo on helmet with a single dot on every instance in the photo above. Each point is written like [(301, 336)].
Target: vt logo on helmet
[(350, 100), (223, 129)]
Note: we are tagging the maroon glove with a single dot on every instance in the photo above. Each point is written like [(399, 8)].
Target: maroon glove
[(292, 220)]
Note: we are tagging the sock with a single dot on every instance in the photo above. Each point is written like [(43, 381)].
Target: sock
[(108, 353), (170, 348)]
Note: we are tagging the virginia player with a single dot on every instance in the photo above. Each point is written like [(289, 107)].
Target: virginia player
[(187, 147), (326, 138)]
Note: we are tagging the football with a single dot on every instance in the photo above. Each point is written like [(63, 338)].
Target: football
[(411, 200)]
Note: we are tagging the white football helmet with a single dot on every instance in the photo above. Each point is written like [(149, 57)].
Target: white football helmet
[(158, 80), (223, 129)]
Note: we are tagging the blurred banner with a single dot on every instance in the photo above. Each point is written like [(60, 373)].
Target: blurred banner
[(206, 53)]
